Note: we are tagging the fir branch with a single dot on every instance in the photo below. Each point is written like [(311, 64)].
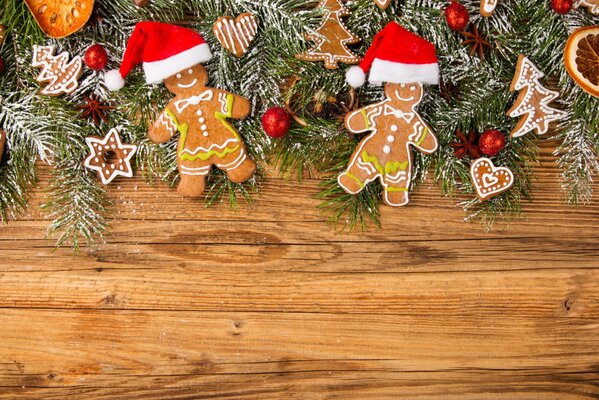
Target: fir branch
[(77, 204)]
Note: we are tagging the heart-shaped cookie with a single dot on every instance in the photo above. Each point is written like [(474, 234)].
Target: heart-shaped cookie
[(489, 180), (383, 4), (60, 18), (487, 7), (237, 34)]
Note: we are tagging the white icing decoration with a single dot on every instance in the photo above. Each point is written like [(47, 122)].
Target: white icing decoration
[(528, 79), (106, 174), (61, 76)]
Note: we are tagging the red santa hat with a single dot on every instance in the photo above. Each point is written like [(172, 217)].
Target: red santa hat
[(397, 56), (164, 50)]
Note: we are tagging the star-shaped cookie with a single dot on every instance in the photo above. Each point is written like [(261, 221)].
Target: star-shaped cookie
[(109, 156)]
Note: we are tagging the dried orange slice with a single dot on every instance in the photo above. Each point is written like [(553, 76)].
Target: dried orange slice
[(60, 18), (581, 57)]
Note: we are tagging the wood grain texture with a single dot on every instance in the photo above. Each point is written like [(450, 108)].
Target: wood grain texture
[(270, 302)]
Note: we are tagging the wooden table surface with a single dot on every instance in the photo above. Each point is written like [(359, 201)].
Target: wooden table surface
[(184, 302)]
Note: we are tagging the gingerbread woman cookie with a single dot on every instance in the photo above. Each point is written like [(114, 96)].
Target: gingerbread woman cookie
[(199, 113), (385, 153)]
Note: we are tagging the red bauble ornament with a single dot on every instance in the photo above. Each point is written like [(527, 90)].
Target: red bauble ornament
[(561, 6), (96, 57), (491, 142), (276, 122), (457, 16)]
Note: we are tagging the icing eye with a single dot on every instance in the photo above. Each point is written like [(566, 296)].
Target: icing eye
[(189, 71), (178, 76), (403, 85), (412, 88)]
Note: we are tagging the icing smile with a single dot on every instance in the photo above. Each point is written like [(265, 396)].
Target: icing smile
[(403, 98), (192, 84)]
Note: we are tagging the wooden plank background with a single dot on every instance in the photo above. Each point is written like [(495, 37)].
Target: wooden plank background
[(184, 302)]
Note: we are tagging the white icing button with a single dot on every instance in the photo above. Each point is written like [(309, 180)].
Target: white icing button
[(203, 127), (394, 128), (386, 149), (205, 133), (199, 112), (202, 120), (390, 139)]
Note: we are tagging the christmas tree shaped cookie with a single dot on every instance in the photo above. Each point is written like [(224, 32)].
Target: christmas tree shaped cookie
[(60, 75), (533, 101), (404, 61), (330, 45)]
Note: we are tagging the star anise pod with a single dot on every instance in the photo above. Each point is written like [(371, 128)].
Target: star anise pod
[(449, 91), (476, 41), (94, 109), (466, 145)]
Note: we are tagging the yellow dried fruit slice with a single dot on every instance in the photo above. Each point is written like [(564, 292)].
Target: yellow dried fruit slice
[(60, 18), (581, 58)]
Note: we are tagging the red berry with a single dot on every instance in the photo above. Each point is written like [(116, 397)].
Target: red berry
[(276, 122), (561, 6), (457, 16), (491, 142), (96, 57)]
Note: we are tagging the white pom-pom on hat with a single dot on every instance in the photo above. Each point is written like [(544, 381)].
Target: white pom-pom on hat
[(355, 76), (114, 80)]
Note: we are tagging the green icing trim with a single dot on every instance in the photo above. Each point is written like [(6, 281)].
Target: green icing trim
[(390, 168), (355, 178), (423, 136), (184, 130), (207, 155), (363, 112), (223, 117)]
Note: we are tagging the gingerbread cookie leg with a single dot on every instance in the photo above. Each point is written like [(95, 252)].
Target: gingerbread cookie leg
[(238, 165), (357, 176), (396, 185), (191, 185)]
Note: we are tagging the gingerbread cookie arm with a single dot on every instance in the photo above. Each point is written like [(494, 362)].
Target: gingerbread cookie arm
[(357, 121), (241, 106), (423, 138), (166, 126)]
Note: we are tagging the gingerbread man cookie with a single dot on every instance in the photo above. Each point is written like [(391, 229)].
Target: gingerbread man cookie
[(199, 113), (385, 154)]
